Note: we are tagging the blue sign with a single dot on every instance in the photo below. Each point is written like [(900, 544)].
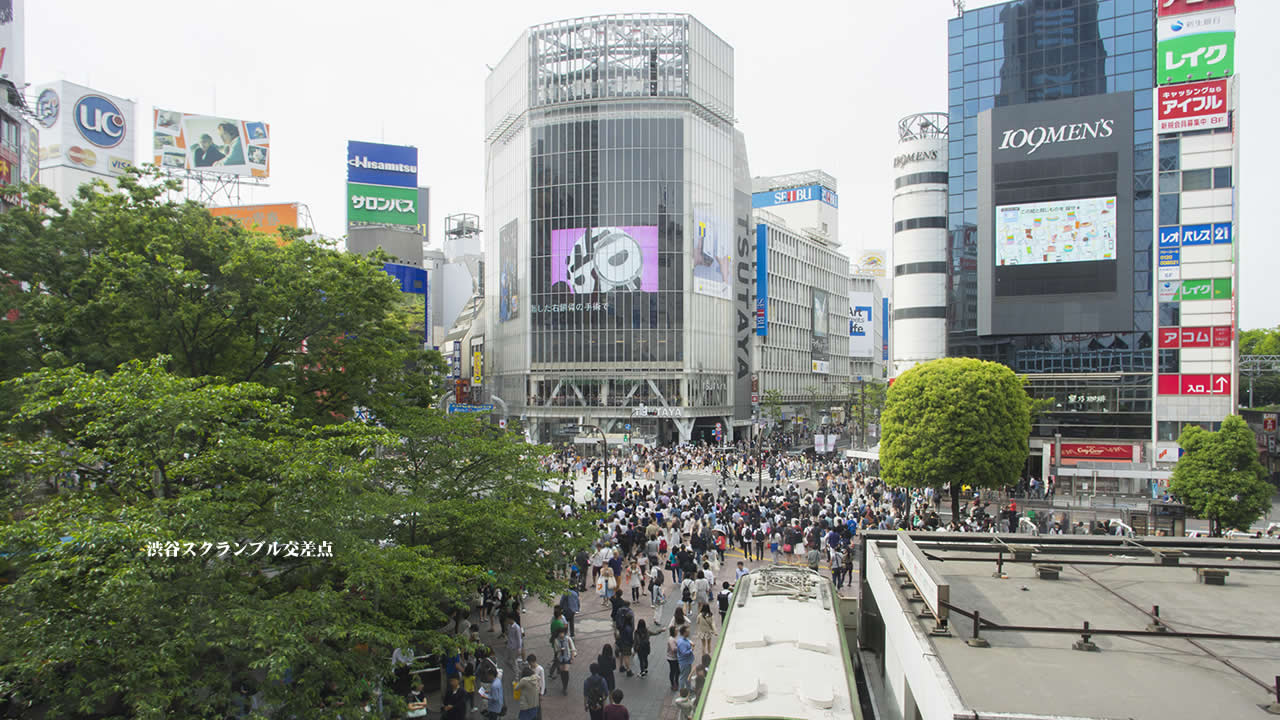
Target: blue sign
[(884, 329), (1170, 236), (379, 164), (100, 121), (1170, 257), (463, 408), (762, 279), (412, 279), (1197, 235), (795, 195), (1222, 233)]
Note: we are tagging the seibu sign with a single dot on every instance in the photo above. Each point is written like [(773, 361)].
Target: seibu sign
[(1033, 138), (1099, 451), (1166, 8)]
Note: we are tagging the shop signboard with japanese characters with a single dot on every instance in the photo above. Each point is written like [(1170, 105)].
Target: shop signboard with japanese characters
[(382, 204), (1191, 106), (1198, 46), (1167, 8)]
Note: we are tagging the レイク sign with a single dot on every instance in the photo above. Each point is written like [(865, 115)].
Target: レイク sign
[(1033, 138), (1199, 106)]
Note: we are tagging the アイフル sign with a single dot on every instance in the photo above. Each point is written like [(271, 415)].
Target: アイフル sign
[(1192, 106)]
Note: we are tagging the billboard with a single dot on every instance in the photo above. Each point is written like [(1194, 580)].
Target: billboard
[(262, 218), (1166, 8), (382, 204), (1198, 106), (1196, 47), (861, 336), (380, 164), (1062, 231), (712, 257), (820, 344), (84, 129), (589, 260), (762, 279), (1056, 210), (808, 193), (212, 144), (508, 278), (12, 43), (870, 263)]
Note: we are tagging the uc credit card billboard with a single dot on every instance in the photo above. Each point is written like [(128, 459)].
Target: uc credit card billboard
[(84, 129)]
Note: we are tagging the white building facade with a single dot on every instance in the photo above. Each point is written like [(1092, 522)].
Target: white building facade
[(920, 241)]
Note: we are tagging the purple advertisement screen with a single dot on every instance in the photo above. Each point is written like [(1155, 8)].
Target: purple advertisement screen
[(607, 259)]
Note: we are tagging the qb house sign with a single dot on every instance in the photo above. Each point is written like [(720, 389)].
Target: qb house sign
[(1032, 139)]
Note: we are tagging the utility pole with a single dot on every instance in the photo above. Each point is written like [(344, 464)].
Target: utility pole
[(862, 414)]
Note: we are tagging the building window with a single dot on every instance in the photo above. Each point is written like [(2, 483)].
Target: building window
[(1196, 180), (1169, 361), (1169, 205), (1167, 430), (1222, 177), (1170, 182), (1170, 314), (1169, 154)]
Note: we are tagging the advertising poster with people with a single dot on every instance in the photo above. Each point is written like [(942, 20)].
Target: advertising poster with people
[(508, 279), (207, 143), (711, 257), (821, 344)]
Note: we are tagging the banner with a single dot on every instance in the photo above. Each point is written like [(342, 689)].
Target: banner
[(861, 336), (711, 256), (1200, 46), (379, 164), (1198, 106), (870, 263), (762, 279), (382, 204), (213, 144), (262, 218), (820, 346), (508, 278), (84, 129)]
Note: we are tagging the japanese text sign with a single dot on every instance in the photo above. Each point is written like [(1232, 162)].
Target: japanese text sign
[(1197, 106), (381, 204), (1167, 8)]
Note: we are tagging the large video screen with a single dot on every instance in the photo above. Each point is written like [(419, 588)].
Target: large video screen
[(1061, 231), (607, 259)]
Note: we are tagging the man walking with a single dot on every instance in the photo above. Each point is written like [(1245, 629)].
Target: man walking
[(595, 689)]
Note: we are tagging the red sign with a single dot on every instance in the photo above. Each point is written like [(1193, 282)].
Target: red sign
[(1168, 385), (1095, 451), (1180, 7), (1191, 106), (1169, 337), (1269, 422), (1206, 385), (1222, 337), (1195, 337)]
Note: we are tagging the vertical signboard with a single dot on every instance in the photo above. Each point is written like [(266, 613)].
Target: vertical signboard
[(712, 258), (743, 279), (861, 340), (820, 343), (508, 278), (1196, 46), (762, 280), (1191, 106)]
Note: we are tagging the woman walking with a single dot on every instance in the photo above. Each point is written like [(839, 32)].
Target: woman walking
[(641, 645), (564, 651), (607, 665), (673, 660), (706, 628)]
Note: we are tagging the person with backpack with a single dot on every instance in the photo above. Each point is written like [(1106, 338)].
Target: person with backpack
[(686, 595), (759, 544), (641, 645), (624, 628), (656, 576), (595, 689), (607, 664), (722, 599)]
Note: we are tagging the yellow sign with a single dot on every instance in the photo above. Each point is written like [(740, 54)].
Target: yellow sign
[(477, 364)]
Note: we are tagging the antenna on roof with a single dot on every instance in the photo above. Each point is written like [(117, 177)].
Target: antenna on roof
[(959, 7)]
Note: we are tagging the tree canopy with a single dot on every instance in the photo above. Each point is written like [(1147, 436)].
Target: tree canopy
[(142, 498), (1220, 477), (1266, 385), (955, 420)]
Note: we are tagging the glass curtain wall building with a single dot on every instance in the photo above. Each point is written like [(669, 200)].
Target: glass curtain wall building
[(610, 210), (1003, 59)]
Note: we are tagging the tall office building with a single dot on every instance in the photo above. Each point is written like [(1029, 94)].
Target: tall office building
[(1051, 213), (617, 203), (802, 286)]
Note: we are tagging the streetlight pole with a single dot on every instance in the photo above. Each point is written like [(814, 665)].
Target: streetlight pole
[(862, 414)]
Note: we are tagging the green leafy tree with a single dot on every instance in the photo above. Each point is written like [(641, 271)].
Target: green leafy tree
[(771, 401), (1220, 477), (1266, 384), (124, 275), (955, 420)]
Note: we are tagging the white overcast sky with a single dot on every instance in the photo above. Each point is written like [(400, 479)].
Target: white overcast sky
[(818, 85)]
